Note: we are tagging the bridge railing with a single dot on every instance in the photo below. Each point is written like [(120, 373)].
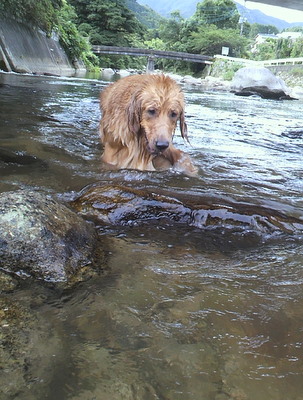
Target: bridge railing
[(173, 55), (278, 61), (284, 61)]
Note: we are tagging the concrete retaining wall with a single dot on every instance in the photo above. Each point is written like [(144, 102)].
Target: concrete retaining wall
[(24, 49), (284, 68)]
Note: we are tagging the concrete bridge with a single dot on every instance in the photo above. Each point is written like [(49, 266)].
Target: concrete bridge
[(152, 55), (293, 4)]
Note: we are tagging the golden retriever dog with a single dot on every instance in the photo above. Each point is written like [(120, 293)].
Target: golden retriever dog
[(139, 117)]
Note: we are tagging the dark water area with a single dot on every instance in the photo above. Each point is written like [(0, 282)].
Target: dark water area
[(182, 312)]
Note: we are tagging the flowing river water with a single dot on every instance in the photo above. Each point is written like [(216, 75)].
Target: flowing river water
[(182, 313)]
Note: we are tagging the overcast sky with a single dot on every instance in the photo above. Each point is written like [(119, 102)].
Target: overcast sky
[(279, 12)]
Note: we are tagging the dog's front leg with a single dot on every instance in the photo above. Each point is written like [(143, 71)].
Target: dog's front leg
[(180, 161)]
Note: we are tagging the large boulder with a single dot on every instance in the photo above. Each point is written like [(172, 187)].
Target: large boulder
[(42, 238), (259, 81)]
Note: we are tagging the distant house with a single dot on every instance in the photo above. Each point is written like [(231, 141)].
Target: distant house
[(263, 37), (290, 35)]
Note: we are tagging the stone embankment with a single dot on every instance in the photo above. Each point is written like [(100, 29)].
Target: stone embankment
[(28, 50)]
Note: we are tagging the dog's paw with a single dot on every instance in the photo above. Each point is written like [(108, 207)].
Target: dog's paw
[(185, 165)]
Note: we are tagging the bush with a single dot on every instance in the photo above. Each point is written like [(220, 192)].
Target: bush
[(75, 44), (297, 72), (225, 69), (231, 69), (39, 13)]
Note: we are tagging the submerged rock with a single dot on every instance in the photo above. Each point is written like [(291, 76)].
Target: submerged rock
[(259, 81), (42, 238), (122, 205), (20, 158)]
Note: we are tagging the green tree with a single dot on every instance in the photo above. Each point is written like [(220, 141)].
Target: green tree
[(52, 15), (110, 20), (266, 50), (209, 40), (39, 13), (74, 43), (283, 48), (198, 35), (221, 13), (294, 29), (297, 49), (265, 29), (170, 31), (154, 43)]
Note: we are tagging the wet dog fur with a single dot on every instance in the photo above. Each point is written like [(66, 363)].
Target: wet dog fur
[(139, 117)]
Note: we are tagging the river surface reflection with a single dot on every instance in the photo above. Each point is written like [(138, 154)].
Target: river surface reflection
[(181, 314)]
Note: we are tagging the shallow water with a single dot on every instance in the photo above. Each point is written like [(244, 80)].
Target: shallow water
[(182, 313)]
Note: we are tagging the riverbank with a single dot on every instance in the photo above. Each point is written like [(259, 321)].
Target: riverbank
[(218, 81), (207, 83), (210, 82)]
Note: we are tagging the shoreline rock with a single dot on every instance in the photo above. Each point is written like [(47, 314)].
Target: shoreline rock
[(207, 83), (259, 81)]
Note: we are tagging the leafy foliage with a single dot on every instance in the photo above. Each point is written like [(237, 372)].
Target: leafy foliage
[(266, 50), (297, 48), (75, 44), (221, 13), (209, 40), (297, 72), (53, 15), (111, 22), (171, 30), (198, 35), (281, 48), (265, 29), (40, 13)]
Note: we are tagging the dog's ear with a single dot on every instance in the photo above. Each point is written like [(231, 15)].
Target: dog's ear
[(183, 127), (133, 114)]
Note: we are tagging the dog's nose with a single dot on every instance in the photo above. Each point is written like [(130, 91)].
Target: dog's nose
[(162, 144)]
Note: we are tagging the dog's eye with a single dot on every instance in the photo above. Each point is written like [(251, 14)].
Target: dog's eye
[(173, 114), (151, 111)]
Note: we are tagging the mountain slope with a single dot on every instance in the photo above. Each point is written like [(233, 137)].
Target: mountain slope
[(164, 8), (146, 15), (256, 16), (188, 7)]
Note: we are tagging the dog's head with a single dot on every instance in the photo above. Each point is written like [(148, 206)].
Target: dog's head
[(154, 112)]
